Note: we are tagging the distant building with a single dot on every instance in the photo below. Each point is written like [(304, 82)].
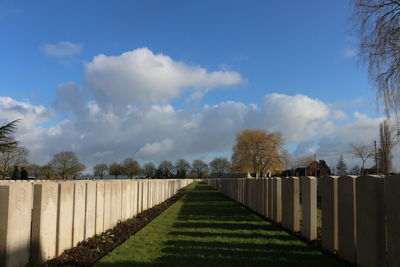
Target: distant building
[(315, 168)]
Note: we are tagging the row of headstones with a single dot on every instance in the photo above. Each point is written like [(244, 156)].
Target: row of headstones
[(360, 215), (39, 220)]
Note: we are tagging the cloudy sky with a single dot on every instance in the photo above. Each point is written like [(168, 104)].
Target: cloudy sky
[(176, 79)]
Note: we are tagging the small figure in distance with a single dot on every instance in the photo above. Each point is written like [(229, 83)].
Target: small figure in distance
[(24, 174), (15, 173)]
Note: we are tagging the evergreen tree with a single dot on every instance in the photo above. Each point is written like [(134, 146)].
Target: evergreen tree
[(341, 166)]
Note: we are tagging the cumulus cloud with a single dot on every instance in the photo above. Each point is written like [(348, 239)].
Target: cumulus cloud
[(28, 114), (145, 77), (150, 151), (61, 49), (159, 131), (362, 130), (299, 117)]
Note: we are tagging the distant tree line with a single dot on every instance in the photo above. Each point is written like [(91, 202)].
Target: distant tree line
[(165, 169)]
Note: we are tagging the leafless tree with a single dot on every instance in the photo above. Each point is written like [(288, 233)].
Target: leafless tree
[(199, 167), (364, 152), (182, 167), (165, 169), (33, 170), (130, 167), (12, 156), (66, 165), (220, 165), (149, 169), (47, 171), (115, 169), (378, 27), (385, 150), (100, 169)]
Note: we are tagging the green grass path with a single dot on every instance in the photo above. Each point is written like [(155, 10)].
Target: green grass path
[(205, 228)]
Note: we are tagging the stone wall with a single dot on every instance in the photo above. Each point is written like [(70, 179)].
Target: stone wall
[(41, 219), (360, 215)]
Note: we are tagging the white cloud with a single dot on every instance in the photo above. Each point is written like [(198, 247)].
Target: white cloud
[(150, 151), (28, 114), (145, 77), (61, 49), (159, 131), (362, 130), (299, 117)]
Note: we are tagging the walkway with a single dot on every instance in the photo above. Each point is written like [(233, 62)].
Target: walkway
[(207, 229)]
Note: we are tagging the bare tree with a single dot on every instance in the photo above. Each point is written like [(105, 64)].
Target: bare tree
[(47, 171), (149, 169), (182, 167), (78, 170), (131, 167), (364, 152), (378, 27), (66, 165), (12, 156), (199, 167), (100, 169), (164, 169), (385, 150), (33, 170), (115, 169), (220, 165)]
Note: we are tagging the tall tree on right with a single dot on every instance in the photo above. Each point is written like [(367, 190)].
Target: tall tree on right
[(341, 167), (378, 27), (385, 149), (258, 151)]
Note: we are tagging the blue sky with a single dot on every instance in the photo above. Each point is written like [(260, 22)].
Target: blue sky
[(290, 48)]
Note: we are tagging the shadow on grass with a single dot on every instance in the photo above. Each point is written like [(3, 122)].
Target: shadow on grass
[(212, 230), (232, 235)]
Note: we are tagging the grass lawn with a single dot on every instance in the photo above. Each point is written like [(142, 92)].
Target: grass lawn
[(205, 228)]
